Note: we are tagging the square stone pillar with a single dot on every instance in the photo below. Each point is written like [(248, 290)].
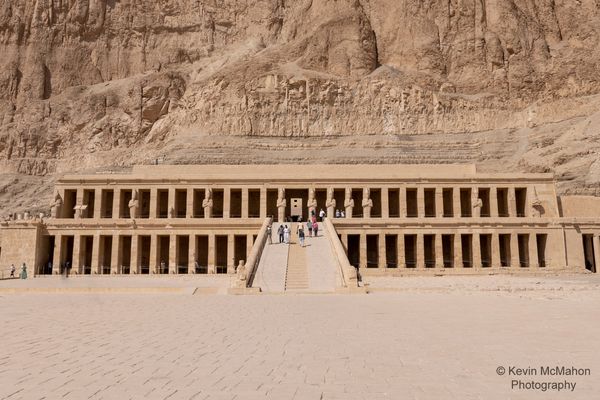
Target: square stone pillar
[(116, 211), (458, 258), (230, 254), (153, 252), (245, 202), (116, 256), (533, 256), (476, 249), (192, 251), (403, 208), (263, 202), (98, 203), (382, 251), (211, 254), (76, 267), (227, 203), (456, 202), (385, 203), (363, 250), (494, 202), (57, 254), (496, 262), (514, 250), (134, 262), (173, 245), (439, 251), (420, 251), (475, 212), (597, 252), (96, 255), (439, 202), (171, 202), (420, 201), (400, 251), (79, 199), (153, 205), (512, 203), (189, 203)]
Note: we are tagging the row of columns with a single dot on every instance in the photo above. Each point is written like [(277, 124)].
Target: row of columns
[(457, 250), (117, 261), (439, 201)]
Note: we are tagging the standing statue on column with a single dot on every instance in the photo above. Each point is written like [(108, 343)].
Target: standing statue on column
[(312, 203), (281, 205), (56, 206), (207, 203), (367, 203), (348, 203), (133, 204), (537, 208), (477, 207), (331, 204)]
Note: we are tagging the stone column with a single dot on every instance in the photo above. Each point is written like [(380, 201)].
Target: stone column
[(385, 203), (171, 203), (458, 258), (189, 204), (227, 203), (79, 202), (263, 202), (439, 251), (115, 256), (153, 253), (331, 203), (173, 254), (420, 250), (475, 211), (76, 266), (57, 259), (421, 201), (211, 254), (348, 203), (476, 249), (134, 262), (494, 202), (456, 202), (400, 251), (514, 250), (116, 211), (97, 203), (382, 251), (403, 208), (96, 255), (192, 251), (363, 250), (439, 202), (245, 202), (230, 254), (597, 252), (153, 205), (533, 256), (512, 202), (496, 262)]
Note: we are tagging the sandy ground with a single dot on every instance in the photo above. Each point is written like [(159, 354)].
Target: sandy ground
[(421, 338)]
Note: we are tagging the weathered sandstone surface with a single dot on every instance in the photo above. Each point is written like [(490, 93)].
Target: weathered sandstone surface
[(511, 85)]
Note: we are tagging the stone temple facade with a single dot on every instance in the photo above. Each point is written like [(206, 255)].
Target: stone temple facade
[(383, 219)]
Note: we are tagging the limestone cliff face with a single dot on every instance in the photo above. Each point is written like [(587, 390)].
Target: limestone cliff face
[(506, 84)]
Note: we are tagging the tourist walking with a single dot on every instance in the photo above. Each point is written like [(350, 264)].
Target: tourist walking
[(337, 213), (23, 271), (269, 232), (309, 227), (280, 232), (12, 270), (342, 214), (322, 214), (286, 235), (316, 229), (301, 235)]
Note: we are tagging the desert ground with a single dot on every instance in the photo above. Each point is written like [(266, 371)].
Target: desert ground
[(410, 338)]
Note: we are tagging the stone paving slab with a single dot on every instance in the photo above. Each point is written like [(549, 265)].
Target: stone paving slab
[(406, 345)]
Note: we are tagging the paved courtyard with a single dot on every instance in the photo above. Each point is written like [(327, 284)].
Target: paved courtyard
[(433, 344)]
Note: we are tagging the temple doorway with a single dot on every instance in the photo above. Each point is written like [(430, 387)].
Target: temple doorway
[(296, 204)]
